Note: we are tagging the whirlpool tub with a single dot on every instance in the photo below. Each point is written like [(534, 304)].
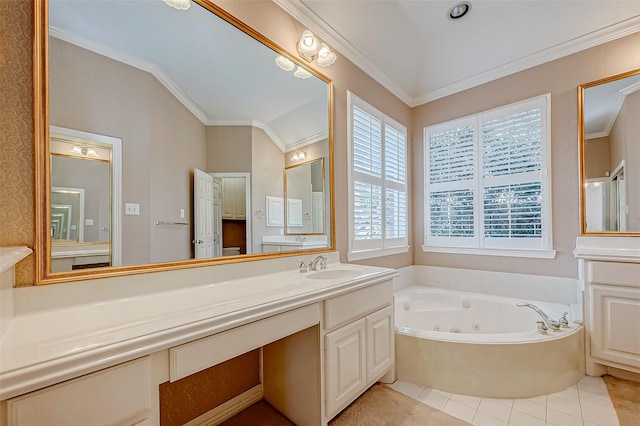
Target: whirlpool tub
[(483, 345)]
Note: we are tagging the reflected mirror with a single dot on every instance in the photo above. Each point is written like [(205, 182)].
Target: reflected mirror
[(610, 154), (168, 129), (305, 198)]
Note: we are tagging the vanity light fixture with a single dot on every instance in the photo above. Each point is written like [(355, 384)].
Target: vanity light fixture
[(179, 4), (299, 156), (310, 48), (459, 10)]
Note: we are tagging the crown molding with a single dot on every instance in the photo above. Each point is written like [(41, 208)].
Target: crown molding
[(307, 17), (304, 15)]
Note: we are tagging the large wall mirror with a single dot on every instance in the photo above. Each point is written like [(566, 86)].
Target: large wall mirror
[(610, 155), (162, 133)]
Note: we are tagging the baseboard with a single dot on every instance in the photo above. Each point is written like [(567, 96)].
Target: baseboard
[(228, 409)]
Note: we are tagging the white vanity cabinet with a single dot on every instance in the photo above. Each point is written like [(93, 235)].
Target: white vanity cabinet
[(322, 342), (613, 294), (609, 274), (359, 343)]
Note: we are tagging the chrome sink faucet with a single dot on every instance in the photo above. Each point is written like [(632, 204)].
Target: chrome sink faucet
[(549, 323), (322, 260)]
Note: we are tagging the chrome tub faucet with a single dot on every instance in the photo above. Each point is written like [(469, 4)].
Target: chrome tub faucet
[(547, 322)]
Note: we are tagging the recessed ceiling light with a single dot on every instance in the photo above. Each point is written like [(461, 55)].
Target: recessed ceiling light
[(459, 10)]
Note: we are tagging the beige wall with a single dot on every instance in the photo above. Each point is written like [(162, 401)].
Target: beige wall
[(596, 157), (162, 142), (625, 144), (561, 78), (266, 179), (229, 149)]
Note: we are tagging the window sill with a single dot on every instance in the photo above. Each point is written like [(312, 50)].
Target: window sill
[(539, 254), (369, 254)]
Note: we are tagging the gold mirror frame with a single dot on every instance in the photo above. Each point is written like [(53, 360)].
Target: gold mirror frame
[(42, 164), (581, 146)]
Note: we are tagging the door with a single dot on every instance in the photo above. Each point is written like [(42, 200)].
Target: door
[(204, 233)]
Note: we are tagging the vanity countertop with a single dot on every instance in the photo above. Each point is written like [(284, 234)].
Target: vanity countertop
[(47, 346)]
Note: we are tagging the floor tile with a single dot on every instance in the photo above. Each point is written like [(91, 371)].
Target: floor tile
[(495, 409), (585, 404), (469, 401), (531, 408), (593, 391), (518, 418), (564, 406), (558, 418), (597, 403), (409, 389), (434, 398), (460, 411), (598, 417), (540, 400), (482, 419), (592, 381), (568, 394)]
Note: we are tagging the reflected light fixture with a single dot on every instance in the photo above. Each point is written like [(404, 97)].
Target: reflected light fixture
[(85, 151), (459, 10), (299, 156), (285, 63), (310, 48), (179, 4), (302, 73)]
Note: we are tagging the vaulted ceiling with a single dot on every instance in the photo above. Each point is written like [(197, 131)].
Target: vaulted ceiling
[(413, 49)]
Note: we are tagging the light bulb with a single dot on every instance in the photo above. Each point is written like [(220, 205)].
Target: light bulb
[(308, 45), (325, 56)]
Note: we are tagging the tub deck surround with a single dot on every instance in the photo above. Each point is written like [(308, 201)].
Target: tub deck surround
[(457, 316), (47, 346), (481, 344)]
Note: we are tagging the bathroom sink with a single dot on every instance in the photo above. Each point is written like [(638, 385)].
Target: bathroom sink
[(334, 274)]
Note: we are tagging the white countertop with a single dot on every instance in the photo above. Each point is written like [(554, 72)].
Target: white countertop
[(9, 256), (44, 347)]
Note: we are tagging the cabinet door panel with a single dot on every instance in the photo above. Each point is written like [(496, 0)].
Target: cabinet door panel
[(616, 313), (346, 365), (380, 344)]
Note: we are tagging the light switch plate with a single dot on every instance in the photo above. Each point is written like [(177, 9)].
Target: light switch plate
[(132, 209)]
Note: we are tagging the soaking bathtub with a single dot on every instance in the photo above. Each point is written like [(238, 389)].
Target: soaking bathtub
[(483, 345)]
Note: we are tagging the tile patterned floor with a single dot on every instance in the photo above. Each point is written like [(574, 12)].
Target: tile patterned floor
[(587, 403)]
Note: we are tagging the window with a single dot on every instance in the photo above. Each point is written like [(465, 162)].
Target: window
[(486, 182), (378, 182)]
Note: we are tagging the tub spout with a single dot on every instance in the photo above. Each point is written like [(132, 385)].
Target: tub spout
[(548, 321)]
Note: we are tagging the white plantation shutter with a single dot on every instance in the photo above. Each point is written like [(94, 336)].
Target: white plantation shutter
[(450, 153), (486, 182), (367, 211), (378, 179), (367, 143)]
